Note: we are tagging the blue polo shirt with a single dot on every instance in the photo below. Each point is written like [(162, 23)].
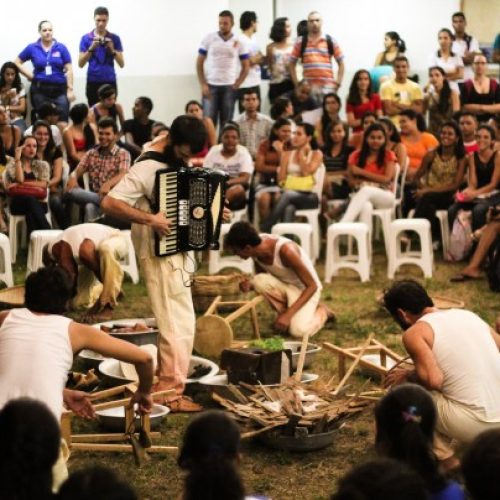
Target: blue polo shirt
[(102, 63), (48, 66)]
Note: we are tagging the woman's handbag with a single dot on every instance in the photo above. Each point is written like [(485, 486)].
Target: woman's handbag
[(38, 192), (299, 183)]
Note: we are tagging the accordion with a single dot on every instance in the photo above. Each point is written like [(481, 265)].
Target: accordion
[(194, 199)]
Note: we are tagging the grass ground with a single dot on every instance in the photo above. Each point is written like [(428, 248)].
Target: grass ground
[(283, 475)]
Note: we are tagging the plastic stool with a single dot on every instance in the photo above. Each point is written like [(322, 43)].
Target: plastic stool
[(422, 258), (303, 231), (216, 261), (38, 240), (5, 260), (361, 262)]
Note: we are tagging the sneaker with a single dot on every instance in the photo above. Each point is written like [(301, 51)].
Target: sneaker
[(184, 405)]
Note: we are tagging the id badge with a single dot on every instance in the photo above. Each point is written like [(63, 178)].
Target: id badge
[(48, 70)]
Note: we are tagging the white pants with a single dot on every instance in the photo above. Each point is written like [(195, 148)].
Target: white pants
[(364, 201)]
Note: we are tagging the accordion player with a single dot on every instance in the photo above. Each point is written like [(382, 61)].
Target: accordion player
[(194, 199)]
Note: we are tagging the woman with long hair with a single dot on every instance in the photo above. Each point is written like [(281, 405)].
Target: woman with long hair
[(9, 133), (371, 173), (361, 99), (107, 106), (330, 112), (440, 99), (296, 175), (394, 143), (267, 163), (278, 57), (406, 423), (445, 58), (13, 95), (195, 109), (25, 169), (394, 46), (79, 136), (482, 191), (440, 176)]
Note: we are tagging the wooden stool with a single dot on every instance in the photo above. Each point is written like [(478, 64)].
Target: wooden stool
[(214, 333)]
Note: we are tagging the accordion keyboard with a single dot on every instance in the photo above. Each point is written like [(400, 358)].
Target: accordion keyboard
[(168, 205)]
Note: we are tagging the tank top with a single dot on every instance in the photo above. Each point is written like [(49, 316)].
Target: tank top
[(293, 168), (469, 360), (35, 357), (281, 59), (112, 113), (442, 172), (286, 274), (79, 143), (484, 171)]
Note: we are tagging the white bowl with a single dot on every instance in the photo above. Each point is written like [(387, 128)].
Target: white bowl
[(294, 346), (111, 369), (139, 337), (375, 359), (114, 418)]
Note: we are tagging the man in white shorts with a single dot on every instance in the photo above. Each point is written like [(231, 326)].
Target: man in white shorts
[(289, 281)]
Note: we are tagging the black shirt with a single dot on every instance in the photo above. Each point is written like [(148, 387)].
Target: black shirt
[(140, 133)]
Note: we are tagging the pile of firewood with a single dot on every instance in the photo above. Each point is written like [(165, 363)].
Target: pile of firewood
[(292, 406)]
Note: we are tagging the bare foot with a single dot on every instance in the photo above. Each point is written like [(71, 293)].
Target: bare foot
[(471, 272), (98, 315), (330, 315)]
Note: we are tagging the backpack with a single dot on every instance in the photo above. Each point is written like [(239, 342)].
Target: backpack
[(329, 42), (460, 237), (493, 269)]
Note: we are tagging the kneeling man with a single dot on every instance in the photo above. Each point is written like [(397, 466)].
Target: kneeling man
[(289, 281), (456, 357)]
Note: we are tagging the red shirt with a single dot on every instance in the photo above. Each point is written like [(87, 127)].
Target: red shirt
[(373, 105)]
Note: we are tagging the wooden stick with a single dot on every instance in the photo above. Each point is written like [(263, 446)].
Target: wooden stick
[(121, 447), (302, 357), (113, 391), (345, 353), (96, 438), (213, 306), (255, 323), (243, 309), (352, 367), (250, 434)]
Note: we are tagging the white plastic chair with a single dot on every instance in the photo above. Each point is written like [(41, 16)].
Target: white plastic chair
[(5, 261), (303, 231)]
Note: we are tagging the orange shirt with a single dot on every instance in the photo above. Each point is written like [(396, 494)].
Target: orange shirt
[(417, 150), (372, 167)]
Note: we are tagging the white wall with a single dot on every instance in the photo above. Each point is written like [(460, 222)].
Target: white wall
[(161, 37)]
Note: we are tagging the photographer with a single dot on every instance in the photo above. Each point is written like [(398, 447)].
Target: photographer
[(100, 49)]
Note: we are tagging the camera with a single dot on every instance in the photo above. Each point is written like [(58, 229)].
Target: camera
[(102, 41)]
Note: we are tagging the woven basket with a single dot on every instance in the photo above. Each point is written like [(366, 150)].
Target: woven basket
[(206, 288), (12, 297)]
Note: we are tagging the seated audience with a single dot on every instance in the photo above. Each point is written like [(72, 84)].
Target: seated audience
[(371, 174), (30, 437), (79, 136), (356, 138), (96, 483), (441, 174), (49, 152), (406, 420), (267, 163), (107, 107), (455, 354), (480, 465), (254, 126), (296, 175), (137, 130), (278, 58), (451, 63), (282, 108), (483, 187), (361, 99), (394, 46), (91, 254), (195, 108), (39, 337), (381, 479), (400, 93), (481, 95), (49, 112), (106, 165), (394, 143), (9, 134), (336, 153), (330, 112), (4, 159), (159, 135), (13, 95), (468, 126), (234, 159), (25, 170), (440, 100), (488, 236), (301, 99), (288, 279)]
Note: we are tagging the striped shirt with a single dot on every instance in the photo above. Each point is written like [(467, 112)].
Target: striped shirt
[(316, 61)]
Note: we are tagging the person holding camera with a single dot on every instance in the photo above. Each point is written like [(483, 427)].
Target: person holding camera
[(100, 49)]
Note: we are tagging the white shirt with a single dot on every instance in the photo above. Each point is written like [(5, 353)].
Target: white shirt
[(254, 77), (459, 47), (240, 163), (222, 58), (56, 134), (450, 64), (35, 357)]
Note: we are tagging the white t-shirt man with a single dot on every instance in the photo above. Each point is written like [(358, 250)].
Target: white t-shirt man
[(240, 163), (222, 58), (253, 78), (459, 47)]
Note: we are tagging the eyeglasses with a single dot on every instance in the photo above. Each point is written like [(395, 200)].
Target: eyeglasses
[(479, 62)]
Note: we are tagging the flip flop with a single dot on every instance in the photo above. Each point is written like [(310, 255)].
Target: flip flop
[(460, 278)]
